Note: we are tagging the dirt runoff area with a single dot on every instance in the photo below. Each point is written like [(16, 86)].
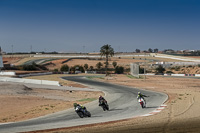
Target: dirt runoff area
[(182, 114), (19, 102)]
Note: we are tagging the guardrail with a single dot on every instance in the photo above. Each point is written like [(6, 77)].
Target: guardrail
[(32, 81), (34, 74)]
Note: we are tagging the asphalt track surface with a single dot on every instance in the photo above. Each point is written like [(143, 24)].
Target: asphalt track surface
[(122, 102)]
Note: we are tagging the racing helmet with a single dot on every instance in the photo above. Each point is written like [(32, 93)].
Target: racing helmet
[(75, 104)]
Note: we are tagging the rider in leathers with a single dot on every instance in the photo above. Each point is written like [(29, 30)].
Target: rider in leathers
[(140, 95), (83, 107), (101, 99)]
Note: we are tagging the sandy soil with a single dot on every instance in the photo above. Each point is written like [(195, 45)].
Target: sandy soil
[(180, 116), (19, 102), (11, 60)]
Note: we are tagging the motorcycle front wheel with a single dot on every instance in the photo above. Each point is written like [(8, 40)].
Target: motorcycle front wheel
[(88, 114)]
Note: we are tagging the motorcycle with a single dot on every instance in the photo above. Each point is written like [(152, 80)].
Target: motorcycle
[(82, 112), (104, 105), (142, 102)]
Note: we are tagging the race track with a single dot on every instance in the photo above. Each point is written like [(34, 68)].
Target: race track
[(122, 102)]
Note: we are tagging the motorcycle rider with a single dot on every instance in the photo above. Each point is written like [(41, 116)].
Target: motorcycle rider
[(140, 95), (101, 99), (82, 107)]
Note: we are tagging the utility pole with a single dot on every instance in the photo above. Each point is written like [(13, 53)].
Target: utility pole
[(145, 67), (31, 48), (83, 49)]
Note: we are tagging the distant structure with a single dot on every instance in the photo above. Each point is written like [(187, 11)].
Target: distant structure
[(1, 59), (134, 69)]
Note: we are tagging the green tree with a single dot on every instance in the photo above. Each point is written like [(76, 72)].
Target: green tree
[(137, 50), (99, 65), (155, 50), (64, 68), (114, 64), (106, 50), (86, 66), (150, 50), (91, 68), (75, 68), (79, 68)]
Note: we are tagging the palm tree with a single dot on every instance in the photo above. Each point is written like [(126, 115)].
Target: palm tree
[(106, 50)]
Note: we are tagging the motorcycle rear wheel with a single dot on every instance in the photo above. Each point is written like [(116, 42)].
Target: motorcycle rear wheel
[(80, 114)]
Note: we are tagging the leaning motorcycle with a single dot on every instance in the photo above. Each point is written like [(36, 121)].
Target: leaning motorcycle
[(142, 102), (82, 112), (104, 105)]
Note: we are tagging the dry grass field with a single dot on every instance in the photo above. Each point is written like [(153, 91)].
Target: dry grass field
[(180, 115)]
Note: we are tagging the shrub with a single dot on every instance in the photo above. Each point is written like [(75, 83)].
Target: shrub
[(177, 68), (160, 69), (29, 67), (119, 70), (55, 70), (85, 66), (172, 68)]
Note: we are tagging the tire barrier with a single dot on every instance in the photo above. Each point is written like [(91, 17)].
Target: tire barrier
[(8, 73)]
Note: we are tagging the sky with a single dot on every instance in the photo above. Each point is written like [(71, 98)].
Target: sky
[(86, 25)]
